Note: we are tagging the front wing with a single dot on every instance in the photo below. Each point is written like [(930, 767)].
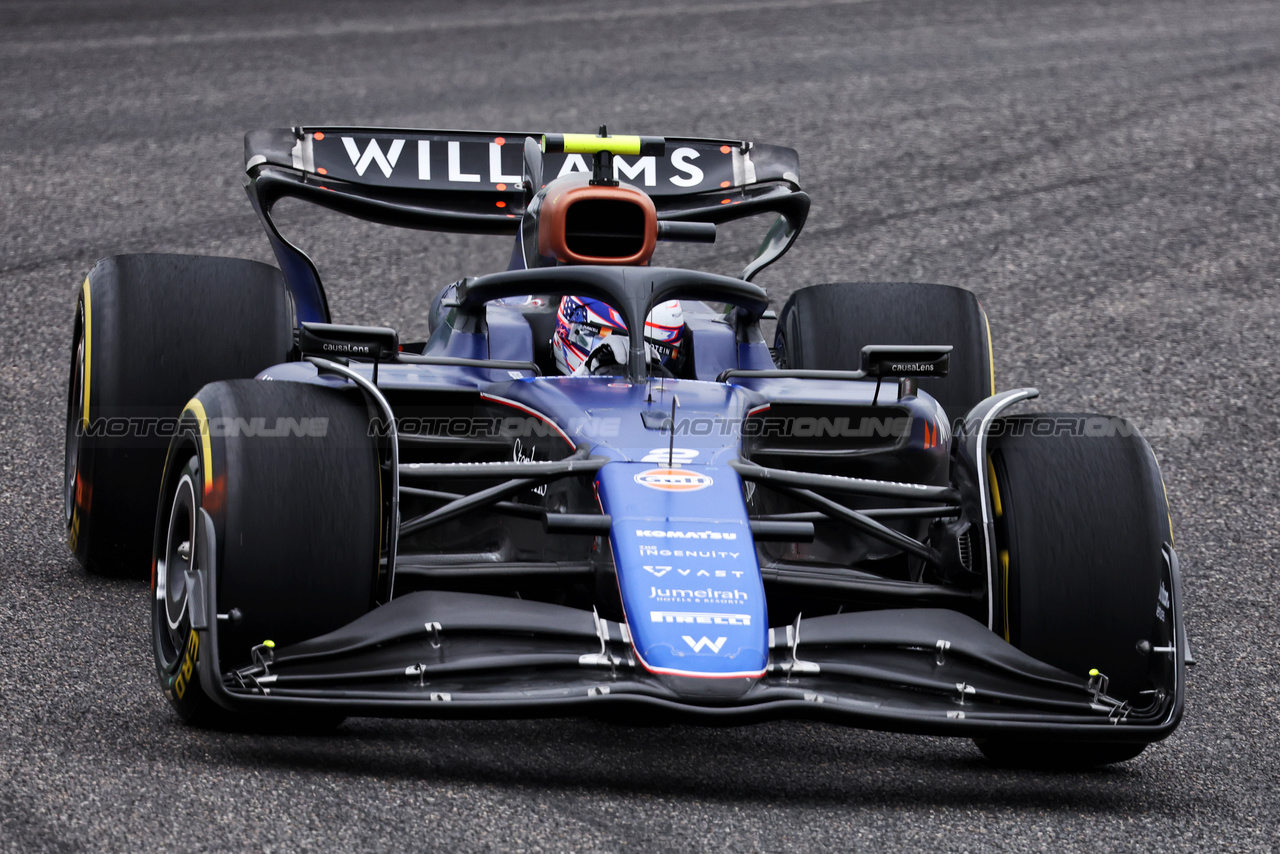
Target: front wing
[(464, 655)]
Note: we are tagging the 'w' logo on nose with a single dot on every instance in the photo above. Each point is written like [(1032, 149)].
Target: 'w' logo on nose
[(705, 642), (373, 154)]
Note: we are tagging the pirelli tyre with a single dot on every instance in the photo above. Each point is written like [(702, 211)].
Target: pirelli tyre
[(825, 327), (150, 330), (288, 477), (1081, 527)]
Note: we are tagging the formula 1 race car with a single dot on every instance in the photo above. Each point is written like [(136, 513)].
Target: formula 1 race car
[(541, 512)]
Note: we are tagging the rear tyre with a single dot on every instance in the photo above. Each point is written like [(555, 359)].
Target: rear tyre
[(1081, 524), (290, 480), (825, 327), (150, 330)]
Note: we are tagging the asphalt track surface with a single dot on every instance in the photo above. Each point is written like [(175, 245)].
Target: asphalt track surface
[(1104, 176)]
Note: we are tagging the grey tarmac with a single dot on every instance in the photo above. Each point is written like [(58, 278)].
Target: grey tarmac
[(1105, 175)]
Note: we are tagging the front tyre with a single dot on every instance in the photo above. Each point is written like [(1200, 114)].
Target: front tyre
[(1055, 755), (290, 480), (1081, 528)]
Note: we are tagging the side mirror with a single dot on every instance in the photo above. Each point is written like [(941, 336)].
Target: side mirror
[(331, 340), (911, 361)]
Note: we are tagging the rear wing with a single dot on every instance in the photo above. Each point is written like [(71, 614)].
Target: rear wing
[(471, 181)]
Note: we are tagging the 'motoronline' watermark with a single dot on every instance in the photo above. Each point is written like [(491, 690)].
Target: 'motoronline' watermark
[(491, 427), (609, 427), (1097, 426), (142, 427)]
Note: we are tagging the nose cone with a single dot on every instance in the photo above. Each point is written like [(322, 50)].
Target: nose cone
[(688, 575)]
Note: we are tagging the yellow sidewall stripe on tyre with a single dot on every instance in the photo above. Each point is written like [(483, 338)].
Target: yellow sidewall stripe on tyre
[(1004, 585), (997, 508), (196, 408), (996, 505), (88, 350)]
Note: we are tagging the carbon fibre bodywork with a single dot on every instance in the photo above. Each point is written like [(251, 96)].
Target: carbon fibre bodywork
[(735, 544)]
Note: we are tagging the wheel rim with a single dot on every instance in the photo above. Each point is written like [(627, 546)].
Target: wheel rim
[(172, 622), (75, 418)]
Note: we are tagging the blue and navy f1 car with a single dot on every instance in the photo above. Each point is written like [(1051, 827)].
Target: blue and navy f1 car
[(539, 511)]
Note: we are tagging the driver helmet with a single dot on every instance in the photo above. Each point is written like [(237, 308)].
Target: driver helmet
[(591, 334)]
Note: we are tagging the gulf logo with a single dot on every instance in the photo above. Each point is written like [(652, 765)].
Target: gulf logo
[(673, 480)]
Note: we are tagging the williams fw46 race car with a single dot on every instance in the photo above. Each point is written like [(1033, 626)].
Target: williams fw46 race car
[(539, 512)]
